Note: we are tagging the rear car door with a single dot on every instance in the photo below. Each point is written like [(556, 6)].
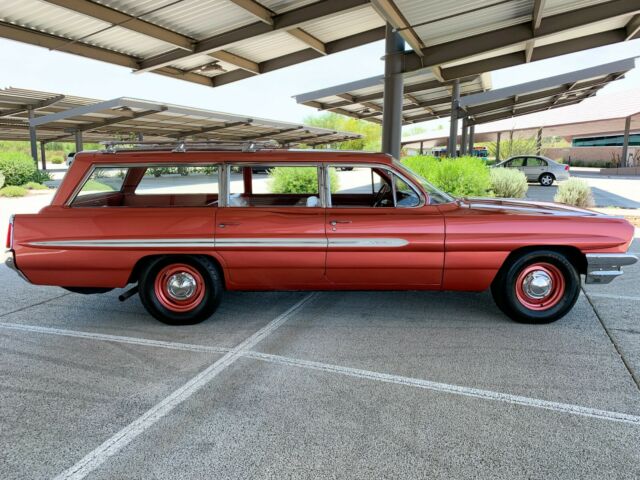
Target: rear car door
[(535, 167), (270, 234), (380, 232)]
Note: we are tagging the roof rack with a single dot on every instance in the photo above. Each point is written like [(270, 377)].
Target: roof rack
[(183, 146)]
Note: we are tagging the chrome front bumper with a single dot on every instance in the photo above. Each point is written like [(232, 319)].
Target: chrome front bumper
[(604, 267), (11, 263)]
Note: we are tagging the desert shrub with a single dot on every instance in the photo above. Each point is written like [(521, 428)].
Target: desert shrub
[(39, 176), (460, 177), (34, 186), (1, 180), (297, 180), (95, 186), (18, 168), (57, 160), (574, 192), (13, 191), (508, 183)]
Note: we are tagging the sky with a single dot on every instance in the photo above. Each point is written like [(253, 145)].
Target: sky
[(268, 95)]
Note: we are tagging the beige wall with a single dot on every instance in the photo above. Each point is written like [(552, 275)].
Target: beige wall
[(583, 154)]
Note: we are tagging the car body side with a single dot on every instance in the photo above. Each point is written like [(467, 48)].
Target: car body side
[(459, 245)]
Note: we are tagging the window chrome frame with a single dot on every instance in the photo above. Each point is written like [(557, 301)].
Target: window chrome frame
[(129, 166), (372, 166)]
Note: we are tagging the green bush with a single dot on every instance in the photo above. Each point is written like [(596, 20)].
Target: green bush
[(298, 180), (574, 192), (508, 183), (18, 168), (13, 191), (40, 177), (57, 161), (460, 177), (1, 180), (95, 186), (34, 186)]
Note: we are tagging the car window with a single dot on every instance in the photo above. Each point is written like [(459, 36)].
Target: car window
[(405, 195), (359, 187), (103, 180), (515, 162), (179, 180), (535, 162), (274, 186)]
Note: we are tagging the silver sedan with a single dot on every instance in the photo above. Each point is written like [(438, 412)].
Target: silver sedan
[(537, 168)]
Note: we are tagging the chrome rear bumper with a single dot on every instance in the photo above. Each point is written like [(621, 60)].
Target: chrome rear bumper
[(11, 263), (604, 267)]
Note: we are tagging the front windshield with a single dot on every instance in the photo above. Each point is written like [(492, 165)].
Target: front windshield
[(435, 195)]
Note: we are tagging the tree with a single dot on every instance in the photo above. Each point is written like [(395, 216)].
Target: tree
[(371, 132)]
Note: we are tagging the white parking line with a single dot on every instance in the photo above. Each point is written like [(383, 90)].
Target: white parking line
[(114, 338), (118, 441), (453, 389), (352, 372), (613, 297)]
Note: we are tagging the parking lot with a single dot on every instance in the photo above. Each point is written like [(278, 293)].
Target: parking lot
[(321, 385)]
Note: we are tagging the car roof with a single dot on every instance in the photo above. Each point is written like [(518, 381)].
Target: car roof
[(261, 156)]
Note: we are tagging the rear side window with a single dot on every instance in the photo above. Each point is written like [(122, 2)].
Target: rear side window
[(174, 180), (104, 180), (535, 162)]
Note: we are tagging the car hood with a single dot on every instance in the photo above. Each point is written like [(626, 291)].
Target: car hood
[(520, 207)]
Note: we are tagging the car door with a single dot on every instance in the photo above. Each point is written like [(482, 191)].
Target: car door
[(535, 167), (269, 238), (381, 241)]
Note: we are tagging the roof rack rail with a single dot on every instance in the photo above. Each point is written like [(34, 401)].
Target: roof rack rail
[(183, 146)]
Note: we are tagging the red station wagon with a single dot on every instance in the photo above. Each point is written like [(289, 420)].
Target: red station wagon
[(184, 225)]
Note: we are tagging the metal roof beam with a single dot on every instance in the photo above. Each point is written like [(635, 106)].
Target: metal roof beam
[(272, 134), (200, 131), (517, 35), (522, 111), (113, 121), (119, 19), (308, 39), (256, 9), (633, 28), (32, 106), (538, 12), (237, 60), (284, 21), (388, 10)]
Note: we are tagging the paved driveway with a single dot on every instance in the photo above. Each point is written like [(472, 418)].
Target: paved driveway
[(325, 385)]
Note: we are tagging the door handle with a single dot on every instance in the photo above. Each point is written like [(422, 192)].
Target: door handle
[(335, 222), (230, 224)]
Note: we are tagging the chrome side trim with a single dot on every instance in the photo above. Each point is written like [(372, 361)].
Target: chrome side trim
[(604, 267), (344, 242), (11, 263)]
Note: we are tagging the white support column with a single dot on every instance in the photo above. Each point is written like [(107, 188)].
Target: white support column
[(393, 93)]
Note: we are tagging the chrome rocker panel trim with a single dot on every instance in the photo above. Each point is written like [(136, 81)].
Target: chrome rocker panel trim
[(604, 267)]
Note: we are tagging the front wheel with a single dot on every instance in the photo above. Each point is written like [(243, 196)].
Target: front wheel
[(180, 290), (546, 179), (537, 287)]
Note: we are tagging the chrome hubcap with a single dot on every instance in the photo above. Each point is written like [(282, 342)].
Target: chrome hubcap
[(181, 286), (537, 284)]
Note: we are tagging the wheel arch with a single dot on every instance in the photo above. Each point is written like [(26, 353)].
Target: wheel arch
[(547, 173), (573, 254), (144, 261)]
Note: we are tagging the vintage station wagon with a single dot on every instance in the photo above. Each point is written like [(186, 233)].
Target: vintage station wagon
[(183, 225)]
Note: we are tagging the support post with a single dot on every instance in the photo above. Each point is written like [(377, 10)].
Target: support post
[(453, 131), (393, 93), (43, 155), (472, 132), (463, 137), (421, 148), (539, 141), (625, 143), (78, 136), (33, 137), (498, 138), (140, 137)]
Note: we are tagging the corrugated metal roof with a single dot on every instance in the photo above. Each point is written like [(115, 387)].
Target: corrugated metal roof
[(111, 119)]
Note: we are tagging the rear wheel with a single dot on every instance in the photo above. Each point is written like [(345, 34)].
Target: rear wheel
[(180, 290), (546, 179), (537, 287)]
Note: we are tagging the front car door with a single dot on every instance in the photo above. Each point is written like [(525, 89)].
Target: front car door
[(271, 236), (381, 231)]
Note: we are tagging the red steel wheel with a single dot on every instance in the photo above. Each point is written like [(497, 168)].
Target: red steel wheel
[(179, 287), (540, 286)]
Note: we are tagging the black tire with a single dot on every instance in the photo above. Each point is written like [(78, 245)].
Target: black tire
[(504, 287), (546, 179), (211, 287)]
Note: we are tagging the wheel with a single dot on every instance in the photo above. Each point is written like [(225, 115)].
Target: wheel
[(180, 290), (546, 179), (536, 287)]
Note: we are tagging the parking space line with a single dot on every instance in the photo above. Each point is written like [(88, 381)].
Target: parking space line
[(613, 297), (26, 307), (113, 445), (113, 338), (452, 389)]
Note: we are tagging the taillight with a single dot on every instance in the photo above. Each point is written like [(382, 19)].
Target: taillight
[(10, 233), (566, 168)]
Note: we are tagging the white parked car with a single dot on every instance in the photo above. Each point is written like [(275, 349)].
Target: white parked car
[(537, 168), (70, 158)]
